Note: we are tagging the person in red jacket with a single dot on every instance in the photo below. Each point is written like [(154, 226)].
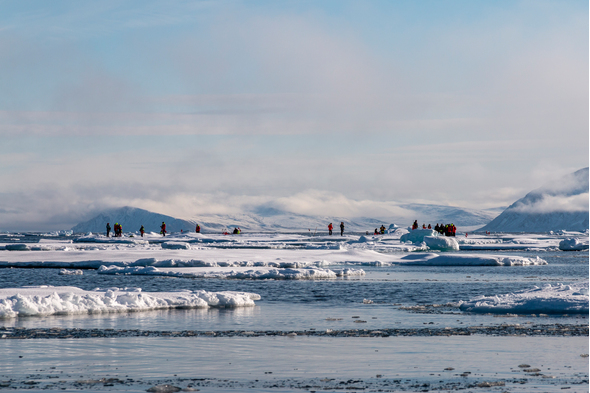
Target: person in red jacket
[(163, 229), (198, 229), (330, 227)]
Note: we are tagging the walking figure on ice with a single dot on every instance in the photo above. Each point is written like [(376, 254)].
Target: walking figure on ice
[(330, 227), (163, 229), (108, 229), (341, 228)]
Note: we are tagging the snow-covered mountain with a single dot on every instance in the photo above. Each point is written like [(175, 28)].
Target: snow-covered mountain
[(131, 219), (560, 205), (266, 219)]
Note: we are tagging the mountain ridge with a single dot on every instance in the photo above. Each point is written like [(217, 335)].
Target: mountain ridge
[(559, 205), (270, 219)]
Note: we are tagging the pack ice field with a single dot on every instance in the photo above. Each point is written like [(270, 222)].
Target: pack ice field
[(404, 311)]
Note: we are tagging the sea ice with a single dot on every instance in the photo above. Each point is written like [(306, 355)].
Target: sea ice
[(48, 300), (574, 244), (441, 243), (149, 255), (550, 299), (234, 272)]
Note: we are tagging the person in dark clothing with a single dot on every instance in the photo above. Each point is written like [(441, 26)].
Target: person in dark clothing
[(163, 229), (415, 225), (341, 228), (108, 229), (142, 230)]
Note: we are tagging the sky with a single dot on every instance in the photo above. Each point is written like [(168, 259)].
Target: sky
[(347, 108)]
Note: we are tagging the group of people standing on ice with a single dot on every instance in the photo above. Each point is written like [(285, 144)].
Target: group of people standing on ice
[(443, 229), (447, 229), (117, 230)]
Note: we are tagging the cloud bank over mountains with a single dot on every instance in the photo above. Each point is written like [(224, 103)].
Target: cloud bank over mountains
[(562, 204)]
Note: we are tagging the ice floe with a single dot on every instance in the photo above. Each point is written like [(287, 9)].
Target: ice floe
[(447, 259), (549, 299), (235, 272), (123, 256), (48, 300), (574, 244)]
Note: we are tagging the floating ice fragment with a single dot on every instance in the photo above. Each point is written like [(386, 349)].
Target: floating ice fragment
[(164, 389), (66, 272)]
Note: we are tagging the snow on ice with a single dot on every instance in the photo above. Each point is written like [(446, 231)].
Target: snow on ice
[(574, 244), (550, 299), (249, 256), (234, 272), (48, 300)]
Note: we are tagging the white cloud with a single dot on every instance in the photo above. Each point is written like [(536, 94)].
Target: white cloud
[(559, 203)]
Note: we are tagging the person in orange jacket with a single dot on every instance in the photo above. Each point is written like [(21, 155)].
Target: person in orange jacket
[(330, 227)]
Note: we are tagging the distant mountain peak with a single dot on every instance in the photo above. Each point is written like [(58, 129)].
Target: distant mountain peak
[(562, 204)]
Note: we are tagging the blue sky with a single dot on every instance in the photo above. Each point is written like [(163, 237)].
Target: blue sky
[(190, 108)]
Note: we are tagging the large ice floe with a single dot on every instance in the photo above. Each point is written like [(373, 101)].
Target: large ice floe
[(235, 272), (431, 259), (262, 259), (549, 299), (48, 300)]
